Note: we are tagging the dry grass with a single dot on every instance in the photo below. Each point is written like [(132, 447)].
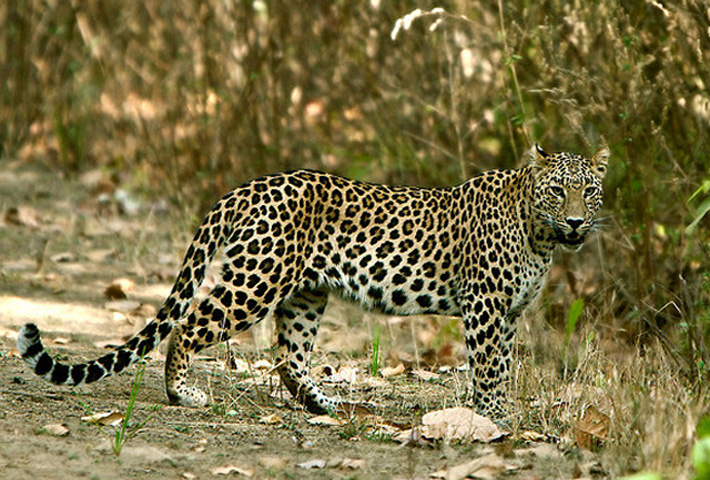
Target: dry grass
[(652, 406)]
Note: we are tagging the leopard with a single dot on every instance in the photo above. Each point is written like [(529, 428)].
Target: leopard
[(480, 250)]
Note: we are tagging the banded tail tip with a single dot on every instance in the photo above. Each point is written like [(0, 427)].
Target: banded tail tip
[(28, 341)]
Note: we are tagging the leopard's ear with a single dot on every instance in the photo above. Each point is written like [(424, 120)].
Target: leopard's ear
[(539, 158), (599, 161)]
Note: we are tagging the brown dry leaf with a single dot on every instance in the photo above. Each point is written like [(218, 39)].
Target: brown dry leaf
[(385, 430), (325, 420), (353, 409), (119, 288), (274, 463), (272, 419), (412, 438), (344, 374), (22, 216), (114, 292), (60, 341), (262, 365), (425, 375), (239, 365), (312, 464), (487, 467), (460, 424), (109, 343), (230, 469), (120, 318), (592, 429), (530, 436), (392, 371), (109, 418), (323, 370), (352, 464), (55, 429)]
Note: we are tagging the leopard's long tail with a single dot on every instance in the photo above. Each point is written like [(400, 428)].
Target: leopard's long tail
[(209, 238)]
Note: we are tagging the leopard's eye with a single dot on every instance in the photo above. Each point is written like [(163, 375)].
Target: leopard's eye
[(557, 191), (590, 191)]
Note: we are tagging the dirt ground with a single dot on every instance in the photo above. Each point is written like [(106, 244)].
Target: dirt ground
[(64, 241)]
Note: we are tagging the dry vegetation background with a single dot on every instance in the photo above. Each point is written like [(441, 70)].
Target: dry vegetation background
[(186, 99)]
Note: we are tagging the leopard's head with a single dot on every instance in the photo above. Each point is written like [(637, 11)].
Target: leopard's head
[(567, 193)]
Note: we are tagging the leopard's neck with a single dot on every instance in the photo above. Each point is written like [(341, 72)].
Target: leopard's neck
[(541, 237)]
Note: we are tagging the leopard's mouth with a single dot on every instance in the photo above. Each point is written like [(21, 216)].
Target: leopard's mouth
[(571, 241)]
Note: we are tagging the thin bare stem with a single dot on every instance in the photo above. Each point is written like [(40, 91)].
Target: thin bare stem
[(513, 73)]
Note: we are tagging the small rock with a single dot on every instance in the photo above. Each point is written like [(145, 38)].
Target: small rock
[(312, 464), (56, 430)]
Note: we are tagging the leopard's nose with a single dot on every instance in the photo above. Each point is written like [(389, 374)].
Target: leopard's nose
[(574, 222)]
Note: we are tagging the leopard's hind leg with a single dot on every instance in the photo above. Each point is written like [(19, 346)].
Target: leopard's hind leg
[(297, 321), (231, 307)]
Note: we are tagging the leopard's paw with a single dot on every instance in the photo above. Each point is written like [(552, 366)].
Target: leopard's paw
[(188, 397)]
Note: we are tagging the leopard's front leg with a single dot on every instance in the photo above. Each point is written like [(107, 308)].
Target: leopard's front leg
[(489, 341)]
